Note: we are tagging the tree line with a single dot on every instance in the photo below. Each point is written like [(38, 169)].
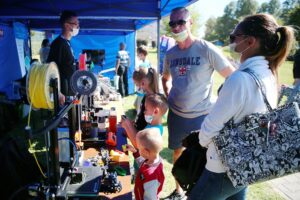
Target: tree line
[(287, 13)]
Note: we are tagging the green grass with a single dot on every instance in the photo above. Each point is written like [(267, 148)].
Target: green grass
[(261, 191), (285, 76)]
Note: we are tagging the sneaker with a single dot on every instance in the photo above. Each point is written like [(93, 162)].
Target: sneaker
[(176, 196)]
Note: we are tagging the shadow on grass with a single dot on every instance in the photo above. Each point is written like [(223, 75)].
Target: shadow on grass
[(167, 154)]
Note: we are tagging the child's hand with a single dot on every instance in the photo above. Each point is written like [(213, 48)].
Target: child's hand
[(126, 123), (130, 148)]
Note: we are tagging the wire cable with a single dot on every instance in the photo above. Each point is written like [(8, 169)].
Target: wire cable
[(14, 195), (36, 160)]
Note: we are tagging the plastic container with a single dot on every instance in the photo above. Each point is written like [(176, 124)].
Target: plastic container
[(101, 123), (82, 61), (94, 131), (112, 120), (102, 128), (63, 144), (116, 81), (111, 139)]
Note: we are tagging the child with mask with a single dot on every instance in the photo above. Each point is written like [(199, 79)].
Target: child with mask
[(155, 107), (147, 80), (150, 176)]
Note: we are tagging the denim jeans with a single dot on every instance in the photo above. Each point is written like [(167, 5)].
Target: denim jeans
[(216, 186)]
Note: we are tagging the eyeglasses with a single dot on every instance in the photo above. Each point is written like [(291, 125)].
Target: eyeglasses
[(232, 37), (73, 23), (180, 22)]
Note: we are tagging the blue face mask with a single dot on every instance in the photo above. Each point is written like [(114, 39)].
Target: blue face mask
[(148, 118), (140, 92)]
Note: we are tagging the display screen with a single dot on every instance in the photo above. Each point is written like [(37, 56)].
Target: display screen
[(97, 56)]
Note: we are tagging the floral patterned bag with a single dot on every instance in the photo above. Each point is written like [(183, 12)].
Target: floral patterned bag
[(291, 93), (262, 146)]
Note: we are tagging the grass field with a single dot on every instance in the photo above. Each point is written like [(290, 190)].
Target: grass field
[(261, 191)]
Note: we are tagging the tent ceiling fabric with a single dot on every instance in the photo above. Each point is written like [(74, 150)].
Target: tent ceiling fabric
[(119, 15)]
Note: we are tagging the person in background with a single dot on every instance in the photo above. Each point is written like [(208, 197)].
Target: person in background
[(296, 68), (150, 176), (263, 46), (61, 51), (166, 43), (121, 69), (190, 65), (44, 51), (142, 55), (143, 62)]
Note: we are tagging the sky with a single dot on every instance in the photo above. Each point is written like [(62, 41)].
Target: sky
[(209, 8)]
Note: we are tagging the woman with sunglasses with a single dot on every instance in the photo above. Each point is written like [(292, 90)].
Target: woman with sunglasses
[(190, 65), (263, 46)]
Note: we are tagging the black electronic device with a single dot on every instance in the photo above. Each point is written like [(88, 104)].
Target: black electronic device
[(110, 183), (85, 181)]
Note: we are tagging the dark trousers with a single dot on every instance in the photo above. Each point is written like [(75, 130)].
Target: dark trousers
[(216, 186), (123, 80)]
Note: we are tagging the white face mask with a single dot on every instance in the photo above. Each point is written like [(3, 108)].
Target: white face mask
[(232, 46), (236, 56), (148, 118), (180, 37), (75, 32)]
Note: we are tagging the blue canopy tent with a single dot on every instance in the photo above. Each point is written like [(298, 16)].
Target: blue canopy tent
[(103, 25)]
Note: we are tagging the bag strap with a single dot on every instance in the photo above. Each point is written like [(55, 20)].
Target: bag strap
[(260, 86)]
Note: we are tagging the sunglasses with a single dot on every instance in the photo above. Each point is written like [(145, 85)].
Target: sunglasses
[(180, 22), (232, 37)]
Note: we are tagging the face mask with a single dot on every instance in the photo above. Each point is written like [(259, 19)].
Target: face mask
[(148, 118), (75, 32), (140, 92), (180, 37), (232, 46), (236, 56)]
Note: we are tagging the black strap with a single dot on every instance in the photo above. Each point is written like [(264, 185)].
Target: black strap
[(260, 86)]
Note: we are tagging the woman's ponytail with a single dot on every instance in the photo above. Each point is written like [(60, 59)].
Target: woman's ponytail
[(153, 77), (285, 42)]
